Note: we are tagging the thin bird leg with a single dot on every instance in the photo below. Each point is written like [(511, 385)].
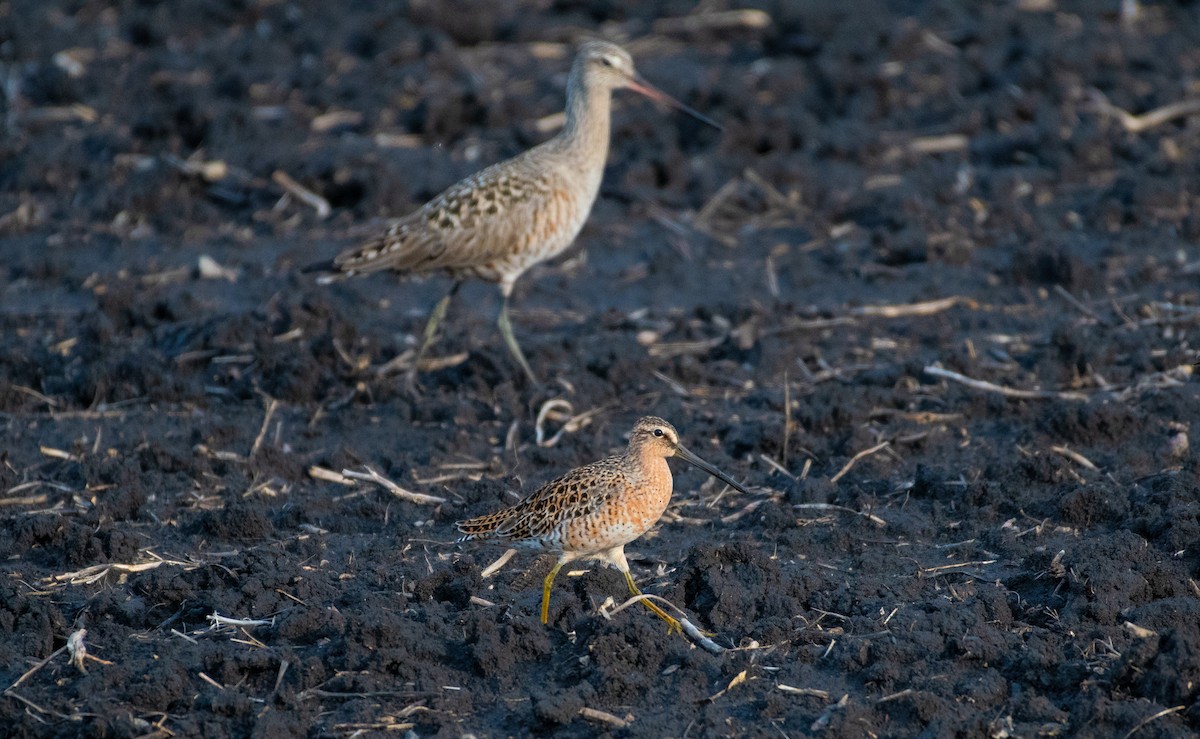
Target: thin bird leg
[(546, 585), (672, 623), (505, 326), (431, 326)]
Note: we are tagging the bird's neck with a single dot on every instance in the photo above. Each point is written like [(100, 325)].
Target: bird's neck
[(586, 131)]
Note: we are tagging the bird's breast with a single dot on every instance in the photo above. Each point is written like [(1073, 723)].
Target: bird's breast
[(623, 517)]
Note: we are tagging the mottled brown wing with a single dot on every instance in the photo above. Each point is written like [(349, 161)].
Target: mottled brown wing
[(478, 220), (578, 493)]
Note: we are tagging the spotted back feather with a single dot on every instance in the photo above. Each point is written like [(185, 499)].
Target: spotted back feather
[(519, 209), (541, 517)]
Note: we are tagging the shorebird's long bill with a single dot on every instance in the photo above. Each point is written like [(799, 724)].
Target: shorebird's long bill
[(692, 459), (639, 85)]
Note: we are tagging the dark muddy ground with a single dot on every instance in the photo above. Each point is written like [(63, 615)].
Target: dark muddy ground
[(989, 565)]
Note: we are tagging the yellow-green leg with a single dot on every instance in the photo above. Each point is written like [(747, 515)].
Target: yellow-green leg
[(672, 623), (505, 326), (431, 327), (546, 585)]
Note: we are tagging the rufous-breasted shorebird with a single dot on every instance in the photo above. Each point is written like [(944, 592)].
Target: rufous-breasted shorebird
[(499, 222), (593, 511)]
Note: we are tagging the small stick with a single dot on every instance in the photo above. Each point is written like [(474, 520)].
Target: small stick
[(943, 144), (35, 668), (303, 194), (944, 568), (826, 716), (814, 692), (854, 460), (283, 668), (1074, 457), (604, 717), (787, 418), (675, 385), (373, 476), (896, 696), (718, 21), (1141, 724), (36, 395), (211, 682), (262, 432), (1063, 293), (218, 621), (834, 507), (776, 466), (494, 567), (573, 423), (328, 475), (926, 308), (13, 694), (737, 680), (1149, 119), (1009, 392)]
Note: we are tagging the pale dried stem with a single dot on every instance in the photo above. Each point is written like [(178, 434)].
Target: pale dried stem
[(834, 507), (854, 460), (495, 567), (303, 194), (1008, 392), (372, 476)]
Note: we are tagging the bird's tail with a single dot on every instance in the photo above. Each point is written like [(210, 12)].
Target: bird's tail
[(482, 527), (369, 256)]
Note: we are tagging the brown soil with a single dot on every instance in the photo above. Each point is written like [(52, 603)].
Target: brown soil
[(1004, 566)]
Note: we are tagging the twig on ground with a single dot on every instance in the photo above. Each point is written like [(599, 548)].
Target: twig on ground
[(1149, 119), (737, 680), (494, 567), (787, 420), (1063, 293), (1009, 392), (303, 194), (834, 507), (28, 673), (721, 21), (372, 476), (922, 417), (814, 692), (328, 475), (944, 568), (604, 717), (218, 621), (272, 404), (1142, 724), (36, 395), (89, 575), (925, 308), (826, 716), (854, 460), (1074, 457), (559, 409)]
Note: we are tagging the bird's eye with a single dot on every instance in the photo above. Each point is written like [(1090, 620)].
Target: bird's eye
[(607, 61), (658, 432)]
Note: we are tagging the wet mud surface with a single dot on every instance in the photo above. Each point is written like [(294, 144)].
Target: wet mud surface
[(921, 555)]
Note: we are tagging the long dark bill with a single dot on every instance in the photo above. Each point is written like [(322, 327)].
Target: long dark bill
[(639, 85), (692, 459)]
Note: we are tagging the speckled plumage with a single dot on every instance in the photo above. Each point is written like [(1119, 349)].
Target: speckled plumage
[(593, 511), (499, 222)]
